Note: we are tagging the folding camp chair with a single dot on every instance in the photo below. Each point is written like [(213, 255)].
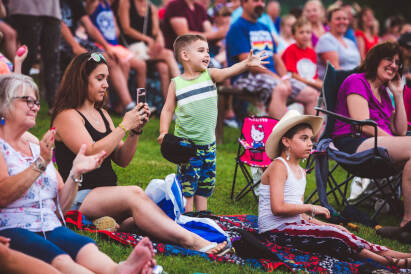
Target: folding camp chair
[(374, 163), (251, 151)]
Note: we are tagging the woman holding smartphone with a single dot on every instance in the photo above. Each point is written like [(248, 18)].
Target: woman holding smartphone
[(79, 118), (365, 95)]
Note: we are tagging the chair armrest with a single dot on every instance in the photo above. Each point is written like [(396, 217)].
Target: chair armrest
[(367, 122)]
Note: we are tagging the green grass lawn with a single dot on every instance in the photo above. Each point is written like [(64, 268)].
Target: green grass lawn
[(148, 164)]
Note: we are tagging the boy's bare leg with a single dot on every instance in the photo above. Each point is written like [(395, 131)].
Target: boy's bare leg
[(200, 203), (189, 204)]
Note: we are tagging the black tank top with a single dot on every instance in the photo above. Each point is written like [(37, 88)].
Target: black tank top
[(103, 176), (137, 22)]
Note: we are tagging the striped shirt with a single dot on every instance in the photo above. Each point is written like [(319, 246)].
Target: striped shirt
[(196, 111)]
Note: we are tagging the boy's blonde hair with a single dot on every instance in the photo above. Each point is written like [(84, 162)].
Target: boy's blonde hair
[(185, 40), (299, 23)]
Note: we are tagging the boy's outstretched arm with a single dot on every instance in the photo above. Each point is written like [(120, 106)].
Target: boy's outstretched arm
[(167, 112), (253, 60)]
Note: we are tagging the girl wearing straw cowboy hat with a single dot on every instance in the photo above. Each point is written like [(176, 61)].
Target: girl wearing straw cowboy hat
[(282, 215)]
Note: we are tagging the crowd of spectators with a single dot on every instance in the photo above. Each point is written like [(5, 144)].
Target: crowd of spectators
[(137, 35)]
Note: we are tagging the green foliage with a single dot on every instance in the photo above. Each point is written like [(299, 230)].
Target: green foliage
[(148, 164)]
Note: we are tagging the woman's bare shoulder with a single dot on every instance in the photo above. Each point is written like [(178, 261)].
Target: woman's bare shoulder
[(67, 114)]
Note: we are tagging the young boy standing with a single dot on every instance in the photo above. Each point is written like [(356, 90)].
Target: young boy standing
[(193, 98), (299, 58)]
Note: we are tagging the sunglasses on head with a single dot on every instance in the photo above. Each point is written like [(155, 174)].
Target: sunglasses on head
[(97, 57)]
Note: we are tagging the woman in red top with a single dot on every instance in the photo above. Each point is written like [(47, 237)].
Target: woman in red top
[(366, 33)]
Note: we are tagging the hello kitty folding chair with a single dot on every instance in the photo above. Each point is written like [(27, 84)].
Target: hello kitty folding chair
[(251, 152)]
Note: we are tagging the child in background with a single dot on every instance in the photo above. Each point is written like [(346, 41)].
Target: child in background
[(282, 213), (299, 58), (193, 98), (286, 36)]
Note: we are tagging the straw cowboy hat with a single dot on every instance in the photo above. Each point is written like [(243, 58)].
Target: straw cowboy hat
[(289, 120)]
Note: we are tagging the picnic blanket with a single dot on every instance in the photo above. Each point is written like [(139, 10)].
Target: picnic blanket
[(286, 258)]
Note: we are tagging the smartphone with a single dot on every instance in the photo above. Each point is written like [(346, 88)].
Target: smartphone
[(141, 96)]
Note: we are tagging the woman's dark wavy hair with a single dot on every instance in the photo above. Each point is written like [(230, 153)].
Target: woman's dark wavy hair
[(73, 89), (384, 50)]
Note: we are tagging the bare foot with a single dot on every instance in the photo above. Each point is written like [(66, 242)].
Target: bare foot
[(146, 242), (141, 258), (147, 268)]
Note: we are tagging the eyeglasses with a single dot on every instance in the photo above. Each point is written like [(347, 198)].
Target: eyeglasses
[(30, 101), (97, 57), (392, 60)]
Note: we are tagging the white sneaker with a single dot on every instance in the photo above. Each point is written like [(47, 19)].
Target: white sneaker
[(231, 123)]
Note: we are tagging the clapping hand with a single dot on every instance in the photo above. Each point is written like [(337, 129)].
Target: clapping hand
[(83, 163), (256, 60), (47, 144)]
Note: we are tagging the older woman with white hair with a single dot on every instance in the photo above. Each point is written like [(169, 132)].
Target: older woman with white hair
[(33, 194)]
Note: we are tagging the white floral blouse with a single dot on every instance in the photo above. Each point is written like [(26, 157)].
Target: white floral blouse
[(36, 209)]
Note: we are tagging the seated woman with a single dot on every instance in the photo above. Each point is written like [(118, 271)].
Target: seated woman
[(139, 21), (364, 95), (32, 191), (282, 214), (333, 47), (79, 106)]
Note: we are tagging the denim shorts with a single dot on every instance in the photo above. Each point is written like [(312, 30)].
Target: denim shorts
[(81, 195), (58, 241)]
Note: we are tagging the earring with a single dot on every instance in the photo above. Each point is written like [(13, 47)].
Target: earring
[(287, 153), (2, 121)]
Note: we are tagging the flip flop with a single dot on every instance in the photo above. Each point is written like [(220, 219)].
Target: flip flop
[(208, 247), (212, 245)]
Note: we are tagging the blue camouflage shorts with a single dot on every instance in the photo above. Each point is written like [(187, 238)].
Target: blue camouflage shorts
[(197, 177)]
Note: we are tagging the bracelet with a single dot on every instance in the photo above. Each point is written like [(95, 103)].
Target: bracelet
[(39, 165), (135, 132), (123, 128), (76, 180), (313, 211)]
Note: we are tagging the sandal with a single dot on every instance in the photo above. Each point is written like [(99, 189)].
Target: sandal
[(396, 262), (227, 248)]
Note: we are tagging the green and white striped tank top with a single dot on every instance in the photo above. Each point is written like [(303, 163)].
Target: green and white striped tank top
[(196, 111)]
